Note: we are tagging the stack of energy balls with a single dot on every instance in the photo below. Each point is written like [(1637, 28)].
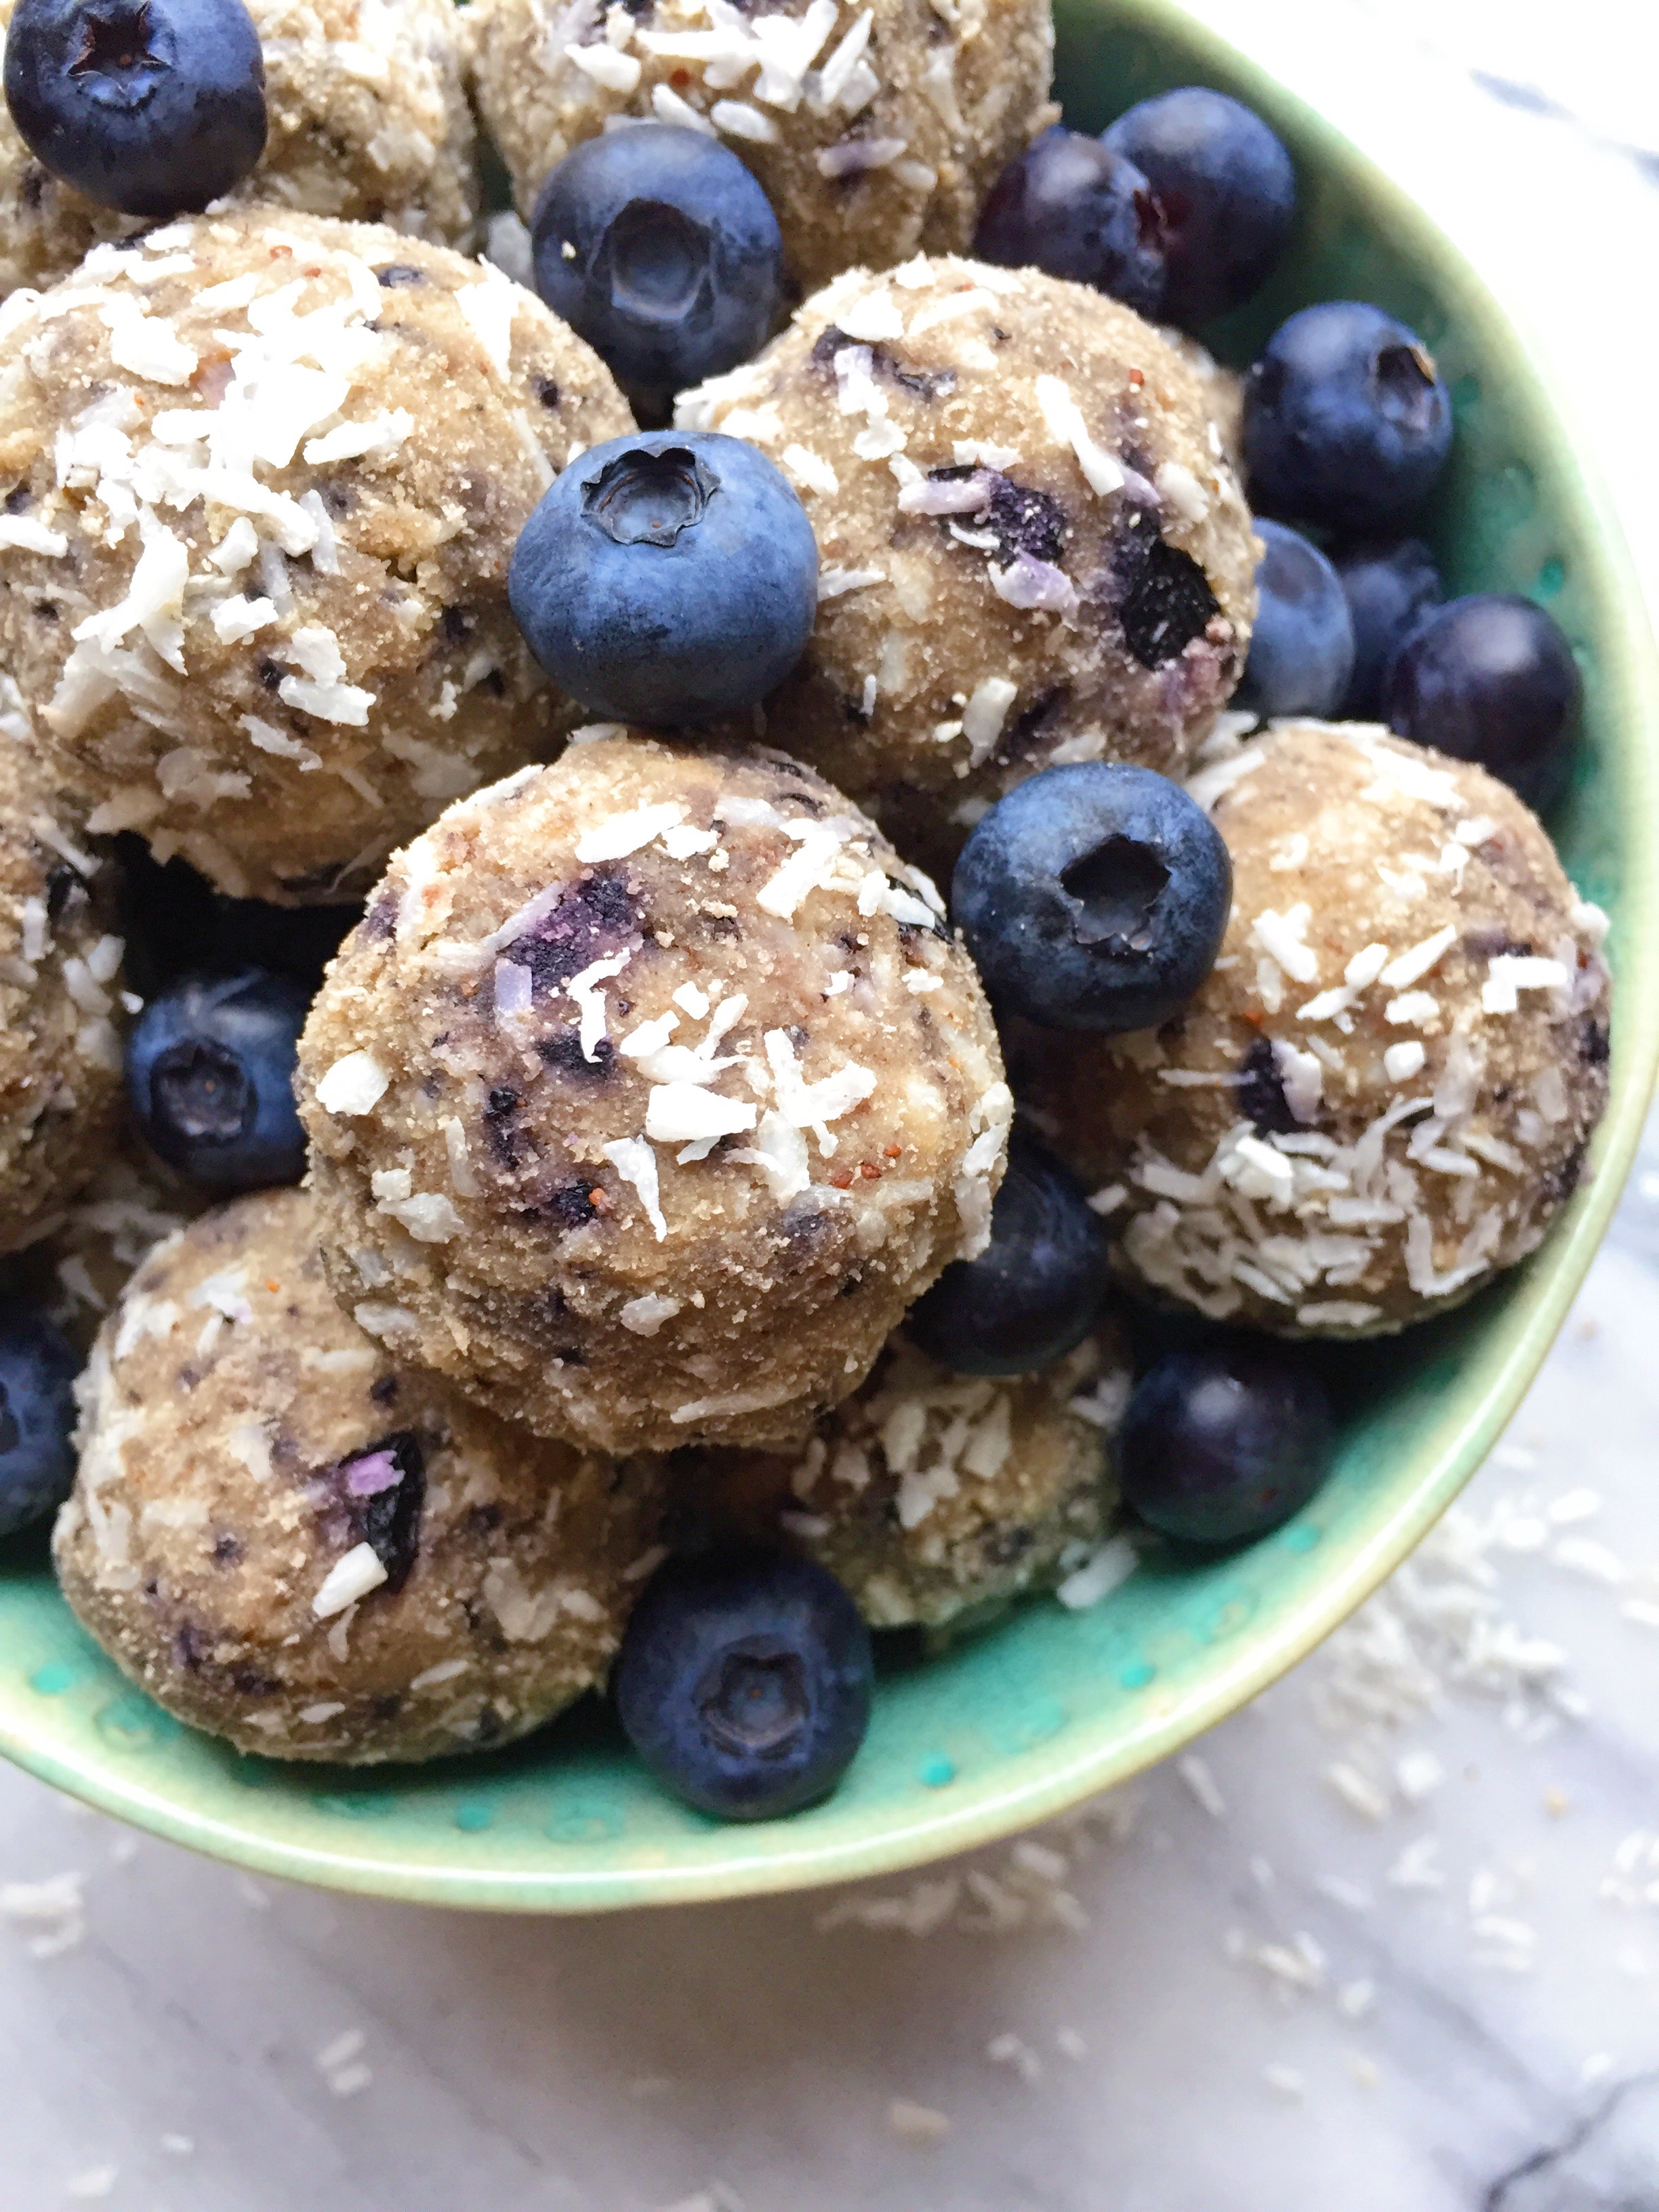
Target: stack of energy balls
[(528, 1165)]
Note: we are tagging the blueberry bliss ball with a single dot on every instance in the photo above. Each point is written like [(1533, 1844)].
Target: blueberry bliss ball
[(263, 478), (61, 1008), (291, 1539), (937, 1499), (365, 117), (1383, 1093), (875, 130), (648, 1094), (1030, 543)]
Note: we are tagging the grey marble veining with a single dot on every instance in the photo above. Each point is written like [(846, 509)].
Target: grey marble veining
[(1407, 1964)]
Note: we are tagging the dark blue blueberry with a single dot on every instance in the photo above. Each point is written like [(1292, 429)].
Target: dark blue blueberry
[(744, 1682), (1490, 678), (1346, 422), (1226, 189), (1388, 588), (210, 1079), (1301, 647), (1221, 1443), (666, 578), (37, 1417), (658, 247), (153, 107), (1034, 1290), (1071, 206), (1094, 897)]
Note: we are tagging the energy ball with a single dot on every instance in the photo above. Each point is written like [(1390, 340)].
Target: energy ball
[(77, 1272), (1032, 547), (264, 473), (60, 1004), (876, 132), (1384, 1094), (934, 1496), (293, 1541), (366, 119), (648, 1094)]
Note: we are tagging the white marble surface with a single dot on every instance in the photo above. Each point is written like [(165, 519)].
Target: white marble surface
[(1234, 1989)]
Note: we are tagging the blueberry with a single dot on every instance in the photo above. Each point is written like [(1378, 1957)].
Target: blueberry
[(1094, 897), (1301, 646), (210, 1079), (152, 106), (657, 245), (1073, 207), (1388, 588), (1034, 1291), (1346, 422), (37, 1417), (1221, 1443), (666, 578), (1226, 189), (1490, 678), (744, 1682)]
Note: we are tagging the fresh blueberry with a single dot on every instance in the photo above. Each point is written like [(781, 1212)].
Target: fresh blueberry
[(666, 578), (1347, 420), (1034, 1291), (657, 245), (744, 1682), (1221, 1443), (1490, 678), (152, 106), (1226, 189), (210, 1079), (1094, 897), (1301, 646), (37, 1417), (1073, 207), (1388, 588)]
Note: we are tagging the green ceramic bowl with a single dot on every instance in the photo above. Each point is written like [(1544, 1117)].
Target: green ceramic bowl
[(1048, 1706)]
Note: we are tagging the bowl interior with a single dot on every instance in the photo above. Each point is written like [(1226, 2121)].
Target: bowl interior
[(1048, 1705)]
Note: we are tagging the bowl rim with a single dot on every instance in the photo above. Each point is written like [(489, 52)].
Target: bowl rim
[(1053, 1779)]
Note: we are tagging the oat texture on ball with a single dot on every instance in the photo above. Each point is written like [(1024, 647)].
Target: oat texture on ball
[(367, 119), (264, 475), (1032, 546), (60, 1004), (936, 1497), (293, 1541), (648, 1094), (1384, 1094), (876, 132)]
